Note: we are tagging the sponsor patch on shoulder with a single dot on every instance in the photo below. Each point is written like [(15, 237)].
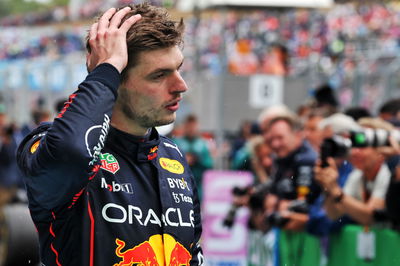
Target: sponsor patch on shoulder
[(35, 146), (172, 166)]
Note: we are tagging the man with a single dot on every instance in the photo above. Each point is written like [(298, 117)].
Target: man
[(292, 175), (292, 183), (196, 150), (9, 175), (104, 188), (312, 133), (366, 186), (337, 124)]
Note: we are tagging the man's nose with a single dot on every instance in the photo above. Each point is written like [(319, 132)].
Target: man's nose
[(178, 85)]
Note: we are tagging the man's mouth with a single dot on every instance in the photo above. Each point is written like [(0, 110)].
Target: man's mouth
[(173, 106)]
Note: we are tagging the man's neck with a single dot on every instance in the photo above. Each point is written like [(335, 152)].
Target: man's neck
[(371, 172), (119, 122)]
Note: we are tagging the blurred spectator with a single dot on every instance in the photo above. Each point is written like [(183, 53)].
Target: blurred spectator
[(241, 137), (59, 105), (325, 100), (10, 178), (312, 133), (196, 149), (366, 186), (304, 111), (357, 112), (260, 159), (242, 60), (241, 153), (276, 61), (37, 116), (390, 111)]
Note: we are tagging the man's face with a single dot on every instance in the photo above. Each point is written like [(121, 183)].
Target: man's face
[(191, 129), (363, 158), (311, 131), (151, 93), (282, 139)]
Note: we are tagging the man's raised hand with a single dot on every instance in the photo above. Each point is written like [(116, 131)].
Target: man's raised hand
[(107, 39)]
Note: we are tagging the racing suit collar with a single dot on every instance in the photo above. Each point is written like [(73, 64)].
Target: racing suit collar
[(142, 149)]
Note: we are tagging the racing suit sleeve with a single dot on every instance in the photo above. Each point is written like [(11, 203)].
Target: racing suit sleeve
[(59, 163)]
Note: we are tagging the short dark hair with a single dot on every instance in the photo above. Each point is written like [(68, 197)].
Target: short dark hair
[(191, 119), (392, 107), (155, 30), (357, 112)]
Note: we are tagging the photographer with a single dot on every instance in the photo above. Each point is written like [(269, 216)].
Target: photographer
[(366, 186), (253, 196), (292, 176), (338, 124), (292, 190), (260, 240)]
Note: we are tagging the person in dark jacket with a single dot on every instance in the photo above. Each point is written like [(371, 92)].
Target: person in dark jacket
[(104, 187)]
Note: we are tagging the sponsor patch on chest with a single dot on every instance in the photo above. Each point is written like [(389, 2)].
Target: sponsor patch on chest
[(172, 166), (109, 163)]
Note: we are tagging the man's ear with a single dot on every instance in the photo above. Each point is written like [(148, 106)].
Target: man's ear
[(88, 62)]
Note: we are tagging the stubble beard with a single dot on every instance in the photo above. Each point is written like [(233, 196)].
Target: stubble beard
[(145, 120)]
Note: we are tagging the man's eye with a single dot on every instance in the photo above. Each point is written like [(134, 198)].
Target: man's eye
[(158, 75)]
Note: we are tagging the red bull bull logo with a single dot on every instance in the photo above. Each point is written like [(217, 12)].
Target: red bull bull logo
[(153, 153), (141, 255), (157, 251), (180, 256)]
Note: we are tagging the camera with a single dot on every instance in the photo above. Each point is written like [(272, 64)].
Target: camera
[(275, 219), (373, 137), (256, 195), (339, 147), (336, 147)]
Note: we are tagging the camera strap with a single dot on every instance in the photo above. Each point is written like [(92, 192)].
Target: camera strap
[(366, 195), (366, 239)]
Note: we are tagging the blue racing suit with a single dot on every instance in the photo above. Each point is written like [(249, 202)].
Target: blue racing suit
[(100, 196)]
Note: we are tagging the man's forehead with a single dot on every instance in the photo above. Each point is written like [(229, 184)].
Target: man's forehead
[(161, 58)]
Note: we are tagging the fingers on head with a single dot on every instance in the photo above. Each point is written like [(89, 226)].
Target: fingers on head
[(104, 21), (130, 21), (115, 21)]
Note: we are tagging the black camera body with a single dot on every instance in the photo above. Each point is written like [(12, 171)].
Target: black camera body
[(257, 195), (275, 219)]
